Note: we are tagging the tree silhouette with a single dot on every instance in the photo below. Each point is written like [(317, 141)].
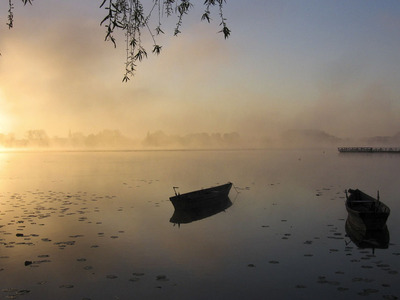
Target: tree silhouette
[(130, 17)]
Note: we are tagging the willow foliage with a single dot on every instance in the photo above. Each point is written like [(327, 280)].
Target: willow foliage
[(131, 17)]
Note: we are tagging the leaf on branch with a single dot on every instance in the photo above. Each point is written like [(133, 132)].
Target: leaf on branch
[(176, 32), (206, 16), (226, 31), (115, 6), (140, 54), (105, 19), (10, 23), (168, 7), (133, 43), (110, 37), (157, 49), (113, 41), (158, 30), (119, 25)]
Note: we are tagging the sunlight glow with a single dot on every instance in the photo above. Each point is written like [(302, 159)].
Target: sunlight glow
[(5, 121)]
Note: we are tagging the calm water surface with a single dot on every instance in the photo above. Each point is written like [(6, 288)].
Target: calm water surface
[(96, 225)]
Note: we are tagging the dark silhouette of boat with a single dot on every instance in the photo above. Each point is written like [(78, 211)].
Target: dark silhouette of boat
[(368, 238), (366, 212), (184, 216), (201, 198)]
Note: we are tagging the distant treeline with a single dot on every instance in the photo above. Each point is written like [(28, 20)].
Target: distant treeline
[(40, 139), (193, 140), (114, 139), (312, 137)]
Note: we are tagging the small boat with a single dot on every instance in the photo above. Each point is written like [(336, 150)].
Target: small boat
[(366, 212), (201, 198), (185, 216)]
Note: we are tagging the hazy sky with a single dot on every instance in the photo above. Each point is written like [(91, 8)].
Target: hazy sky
[(327, 65)]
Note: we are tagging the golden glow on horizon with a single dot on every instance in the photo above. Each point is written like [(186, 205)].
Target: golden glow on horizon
[(5, 121)]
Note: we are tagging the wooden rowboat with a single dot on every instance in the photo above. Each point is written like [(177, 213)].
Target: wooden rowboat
[(201, 198), (366, 212)]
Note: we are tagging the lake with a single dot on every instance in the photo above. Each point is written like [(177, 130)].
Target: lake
[(96, 225)]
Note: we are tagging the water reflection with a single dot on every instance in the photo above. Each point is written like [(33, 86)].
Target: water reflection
[(184, 216), (367, 238), (93, 226)]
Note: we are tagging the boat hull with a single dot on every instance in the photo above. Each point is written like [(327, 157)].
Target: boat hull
[(367, 220), (201, 198), (366, 212)]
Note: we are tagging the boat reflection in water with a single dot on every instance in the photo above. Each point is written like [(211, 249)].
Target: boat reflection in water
[(200, 204), (184, 216), (366, 238)]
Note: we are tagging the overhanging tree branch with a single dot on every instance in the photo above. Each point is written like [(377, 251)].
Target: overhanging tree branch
[(130, 17)]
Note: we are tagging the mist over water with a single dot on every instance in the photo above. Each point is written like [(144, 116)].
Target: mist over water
[(97, 225), (87, 163), (284, 67), (160, 140)]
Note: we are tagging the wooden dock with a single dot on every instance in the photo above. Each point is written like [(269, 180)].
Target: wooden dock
[(370, 149)]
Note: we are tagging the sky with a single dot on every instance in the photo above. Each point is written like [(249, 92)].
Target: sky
[(325, 65)]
